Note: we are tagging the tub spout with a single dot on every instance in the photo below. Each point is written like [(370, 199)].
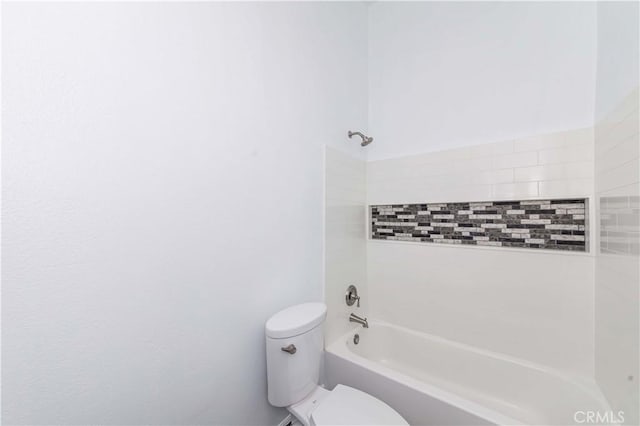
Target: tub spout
[(355, 318)]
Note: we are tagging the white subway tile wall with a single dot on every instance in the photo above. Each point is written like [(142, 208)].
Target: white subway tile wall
[(532, 304), (553, 165), (464, 292), (345, 237), (617, 266)]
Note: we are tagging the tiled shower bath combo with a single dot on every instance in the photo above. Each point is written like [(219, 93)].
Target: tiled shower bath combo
[(546, 224)]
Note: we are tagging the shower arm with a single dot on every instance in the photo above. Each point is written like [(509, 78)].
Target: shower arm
[(366, 140)]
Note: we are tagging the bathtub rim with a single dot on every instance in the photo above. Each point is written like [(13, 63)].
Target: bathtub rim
[(340, 347)]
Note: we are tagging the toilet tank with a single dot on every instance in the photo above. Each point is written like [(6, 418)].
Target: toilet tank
[(295, 344)]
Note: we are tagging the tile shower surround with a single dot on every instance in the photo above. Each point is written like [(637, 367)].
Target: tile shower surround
[(620, 225), (546, 224)]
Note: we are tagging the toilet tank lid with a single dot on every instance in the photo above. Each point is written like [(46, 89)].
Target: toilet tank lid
[(295, 320)]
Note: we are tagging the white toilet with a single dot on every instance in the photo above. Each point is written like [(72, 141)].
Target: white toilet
[(295, 345)]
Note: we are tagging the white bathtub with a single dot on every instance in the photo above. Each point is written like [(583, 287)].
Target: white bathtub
[(430, 380)]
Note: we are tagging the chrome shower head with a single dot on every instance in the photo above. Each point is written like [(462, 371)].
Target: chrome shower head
[(366, 140)]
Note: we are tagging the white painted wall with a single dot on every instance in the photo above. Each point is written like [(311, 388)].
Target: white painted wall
[(532, 304), (450, 74), (618, 55), (345, 240), (617, 186), (163, 195)]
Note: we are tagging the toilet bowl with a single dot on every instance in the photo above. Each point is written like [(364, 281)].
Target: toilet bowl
[(295, 346)]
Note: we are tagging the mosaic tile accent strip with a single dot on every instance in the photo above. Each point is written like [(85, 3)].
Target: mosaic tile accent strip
[(620, 225), (544, 224)]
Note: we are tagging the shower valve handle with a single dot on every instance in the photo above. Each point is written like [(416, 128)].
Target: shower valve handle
[(351, 296)]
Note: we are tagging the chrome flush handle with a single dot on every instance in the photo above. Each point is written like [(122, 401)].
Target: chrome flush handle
[(291, 349)]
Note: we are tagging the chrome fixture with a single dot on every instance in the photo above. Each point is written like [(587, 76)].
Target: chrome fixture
[(366, 140), (356, 339), (351, 296), (291, 349), (355, 318)]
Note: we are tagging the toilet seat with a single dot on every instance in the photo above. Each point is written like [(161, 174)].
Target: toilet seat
[(348, 406)]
